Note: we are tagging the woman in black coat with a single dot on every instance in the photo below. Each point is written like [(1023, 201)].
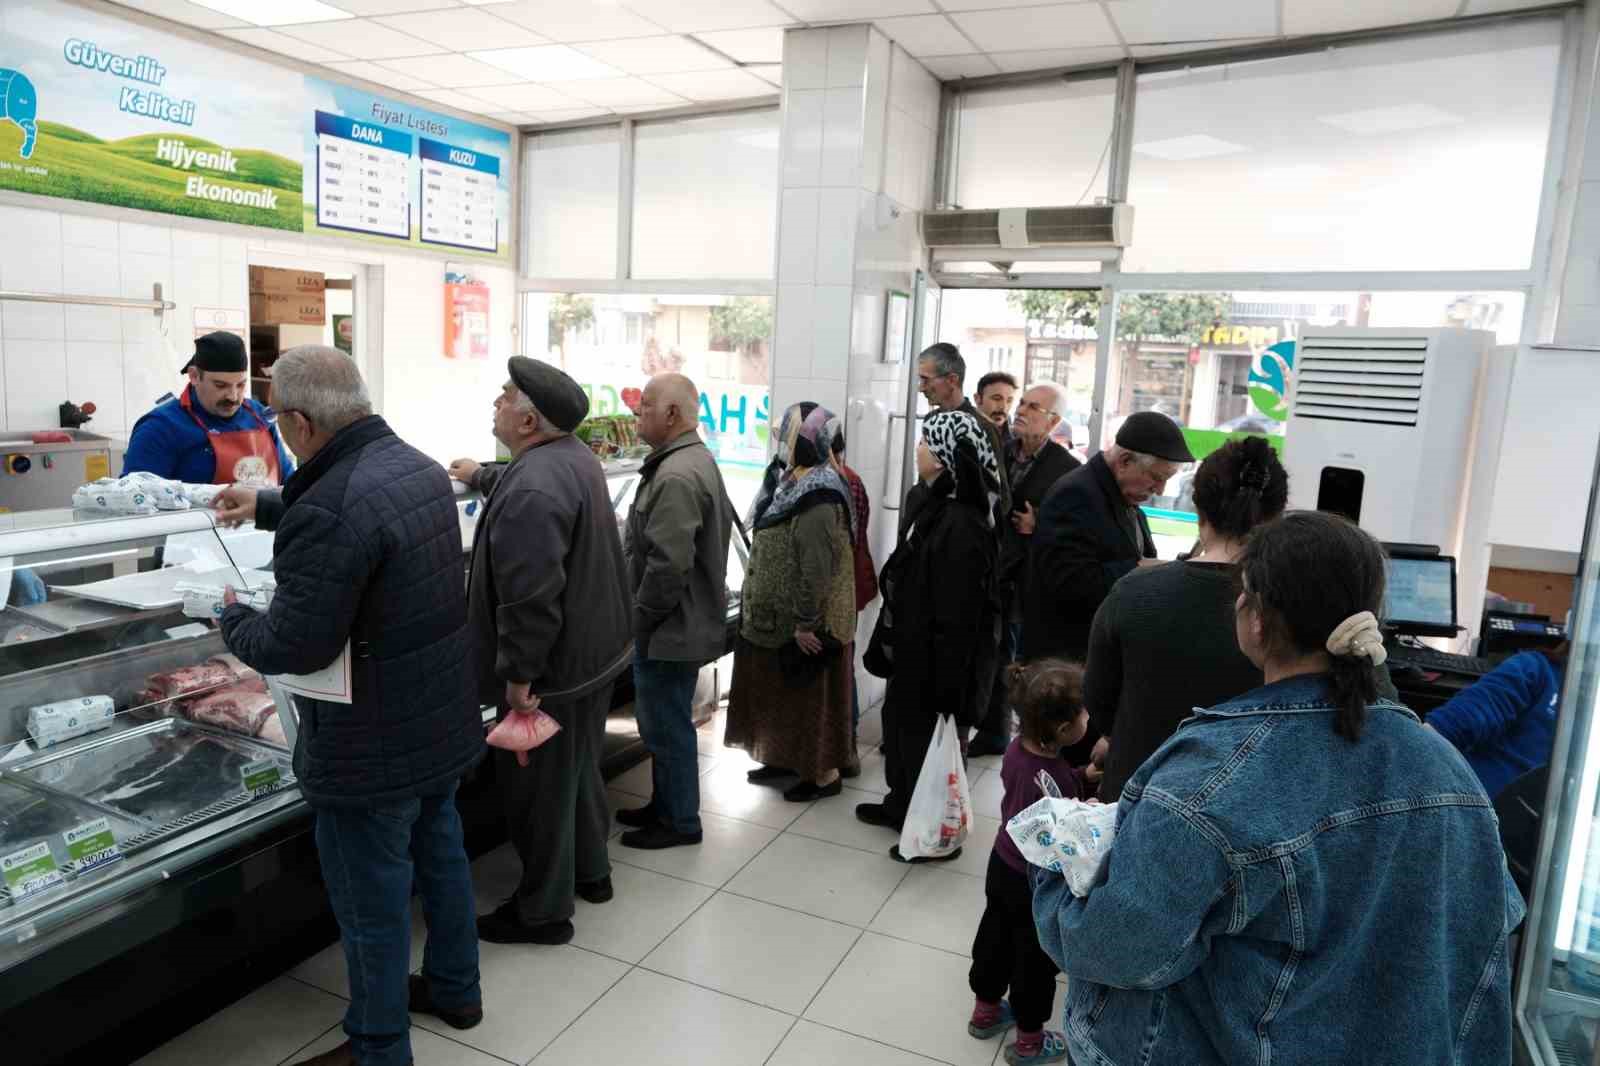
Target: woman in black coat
[(938, 632)]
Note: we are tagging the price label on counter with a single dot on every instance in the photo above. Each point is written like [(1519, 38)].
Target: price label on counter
[(30, 870), (91, 845), (260, 775)]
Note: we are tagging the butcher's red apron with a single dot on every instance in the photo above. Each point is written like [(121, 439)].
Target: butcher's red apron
[(246, 456)]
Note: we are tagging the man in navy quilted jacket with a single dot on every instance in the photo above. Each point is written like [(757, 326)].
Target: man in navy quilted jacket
[(367, 559)]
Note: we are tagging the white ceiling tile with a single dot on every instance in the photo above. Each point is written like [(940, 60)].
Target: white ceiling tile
[(274, 41), (571, 114), (855, 10), (990, 5), (577, 20), (549, 63), (618, 93), (1156, 51), (926, 35), (693, 16), (279, 12), (527, 97), (748, 46), (463, 29), (1335, 16), (1012, 62), (362, 39), (715, 85), (772, 72), (1080, 25), (516, 118), (391, 7), (360, 68), (1176, 21), (457, 100), (1190, 146), (449, 70), (655, 55), (183, 11), (949, 68)]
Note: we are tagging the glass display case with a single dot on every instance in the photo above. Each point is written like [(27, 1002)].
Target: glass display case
[(1557, 994), (131, 745)]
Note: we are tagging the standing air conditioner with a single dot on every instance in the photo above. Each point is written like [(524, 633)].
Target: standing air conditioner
[(1381, 427)]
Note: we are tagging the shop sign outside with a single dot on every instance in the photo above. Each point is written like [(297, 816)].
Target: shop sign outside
[(734, 419)]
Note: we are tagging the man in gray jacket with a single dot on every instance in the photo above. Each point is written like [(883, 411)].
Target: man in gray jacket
[(551, 621), (677, 549)]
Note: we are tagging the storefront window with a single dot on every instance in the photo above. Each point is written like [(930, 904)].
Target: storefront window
[(569, 219), (1042, 145), (1421, 153)]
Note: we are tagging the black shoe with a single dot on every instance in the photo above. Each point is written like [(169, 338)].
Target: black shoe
[(504, 928), (656, 837), (894, 853), (596, 891), (979, 747), (851, 772), (762, 774), (877, 814), (422, 1003), (637, 817), (806, 791)]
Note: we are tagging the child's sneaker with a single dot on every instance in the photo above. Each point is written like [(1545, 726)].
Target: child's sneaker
[(990, 1019), (1047, 1046)]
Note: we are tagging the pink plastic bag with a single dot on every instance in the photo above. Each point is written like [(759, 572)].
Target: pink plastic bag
[(522, 732)]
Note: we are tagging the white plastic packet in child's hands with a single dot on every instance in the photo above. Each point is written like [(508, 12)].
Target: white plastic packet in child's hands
[(1069, 837)]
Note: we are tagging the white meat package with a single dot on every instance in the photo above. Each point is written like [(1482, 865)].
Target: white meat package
[(142, 492), (1067, 836)]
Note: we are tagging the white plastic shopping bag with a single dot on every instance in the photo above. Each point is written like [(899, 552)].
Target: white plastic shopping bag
[(1070, 837), (940, 814)]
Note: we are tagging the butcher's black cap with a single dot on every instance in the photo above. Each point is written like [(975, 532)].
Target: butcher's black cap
[(218, 353), (1153, 433), (557, 396)]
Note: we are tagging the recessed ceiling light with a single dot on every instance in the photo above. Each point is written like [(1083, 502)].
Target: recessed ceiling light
[(547, 63), (277, 13), (1193, 146), (1398, 119)]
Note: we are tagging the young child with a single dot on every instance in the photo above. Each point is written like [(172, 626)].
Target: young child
[(1048, 698)]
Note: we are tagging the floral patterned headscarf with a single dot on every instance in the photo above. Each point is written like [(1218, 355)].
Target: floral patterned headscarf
[(803, 442)]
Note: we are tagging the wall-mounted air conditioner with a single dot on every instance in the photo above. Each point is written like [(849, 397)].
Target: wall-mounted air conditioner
[(1009, 234), (1381, 428)]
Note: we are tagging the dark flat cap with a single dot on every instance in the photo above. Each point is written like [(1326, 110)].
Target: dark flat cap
[(218, 353), (557, 396), (1153, 433)]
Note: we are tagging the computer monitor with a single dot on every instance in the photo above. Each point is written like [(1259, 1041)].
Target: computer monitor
[(1421, 596)]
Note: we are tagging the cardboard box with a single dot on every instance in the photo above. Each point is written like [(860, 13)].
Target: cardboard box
[(275, 280), (277, 308)]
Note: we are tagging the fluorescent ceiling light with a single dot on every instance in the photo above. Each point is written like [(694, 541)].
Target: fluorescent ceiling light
[(1193, 146), (277, 13), (1400, 119), (547, 63)]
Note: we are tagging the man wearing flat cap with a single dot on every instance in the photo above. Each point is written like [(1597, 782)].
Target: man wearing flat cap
[(213, 433), (552, 619), (1090, 532)]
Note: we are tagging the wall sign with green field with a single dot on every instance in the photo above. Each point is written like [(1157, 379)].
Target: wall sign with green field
[(99, 109)]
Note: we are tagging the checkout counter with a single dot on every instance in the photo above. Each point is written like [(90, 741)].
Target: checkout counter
[(211, 886)]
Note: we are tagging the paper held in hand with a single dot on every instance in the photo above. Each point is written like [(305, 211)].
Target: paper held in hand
[(331, 683)]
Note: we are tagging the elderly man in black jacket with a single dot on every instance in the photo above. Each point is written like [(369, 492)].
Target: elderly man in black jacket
[(367, 559), (552, 621)]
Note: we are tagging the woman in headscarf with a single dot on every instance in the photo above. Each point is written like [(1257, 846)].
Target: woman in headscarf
[(789, 707), (935, 640)]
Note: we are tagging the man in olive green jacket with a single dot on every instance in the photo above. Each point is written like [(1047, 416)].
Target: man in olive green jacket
[(677, 551)]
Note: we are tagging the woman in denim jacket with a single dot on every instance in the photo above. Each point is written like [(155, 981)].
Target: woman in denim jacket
[(1302, 875)]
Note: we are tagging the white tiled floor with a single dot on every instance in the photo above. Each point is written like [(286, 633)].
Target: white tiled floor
[(787, 938)]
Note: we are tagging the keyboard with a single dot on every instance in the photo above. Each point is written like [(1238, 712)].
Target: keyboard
[(1440, 661)]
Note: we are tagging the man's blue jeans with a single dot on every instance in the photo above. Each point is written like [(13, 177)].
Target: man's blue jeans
[(370, 856), (663, 705)]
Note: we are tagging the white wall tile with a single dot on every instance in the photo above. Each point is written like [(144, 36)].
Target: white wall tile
[(897, 148), (233, 285), (1578, 324), (30, 254), (31, 322), (196, 282), (875, 121), (836, 236), (86, 232), (90, 271), (94, 373), (802, 136), (28, 227), (232, 249), (797, 235), (146, 240), (805, 59), (149, 371), (847, 55), (830, 351), (195, 244), (140, 273), (786, 392), (830, 394), (791, 356), (3, 422), (841, 137), (36, 383)]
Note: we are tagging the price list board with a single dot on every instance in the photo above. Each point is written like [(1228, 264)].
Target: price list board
[(363, 177), (460, 188)]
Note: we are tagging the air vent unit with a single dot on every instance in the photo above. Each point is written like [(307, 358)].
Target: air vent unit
[(1043, 233), (1345, 379)]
